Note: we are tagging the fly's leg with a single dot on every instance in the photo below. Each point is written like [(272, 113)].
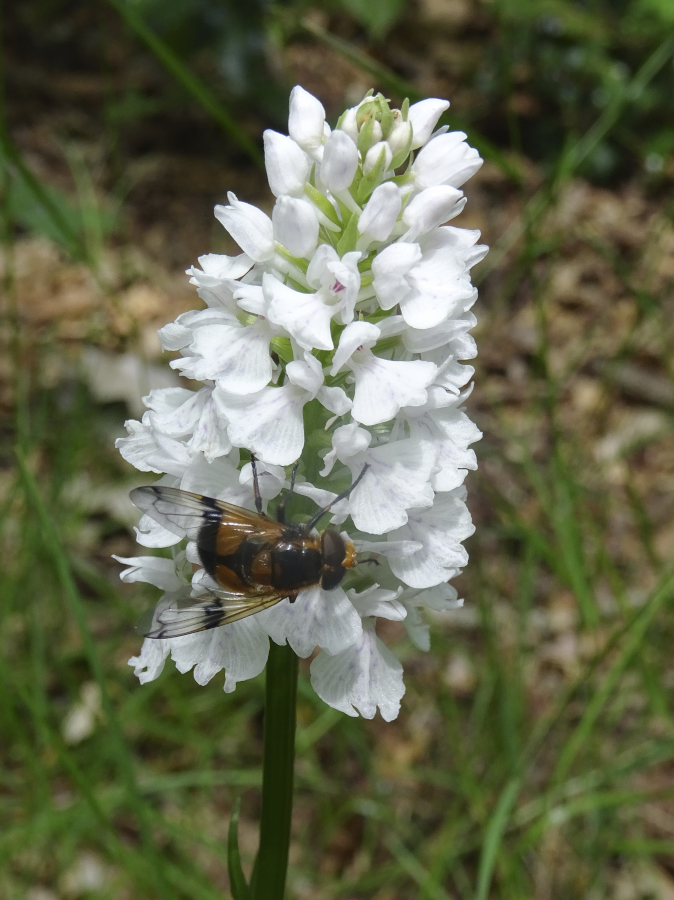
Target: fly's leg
[(319, 515), (256, 485), (281, 508)]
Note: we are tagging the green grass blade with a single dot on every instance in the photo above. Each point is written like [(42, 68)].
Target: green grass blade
[(610, 682), (189, 81), (122, 754), (494, 834), (237, 880)]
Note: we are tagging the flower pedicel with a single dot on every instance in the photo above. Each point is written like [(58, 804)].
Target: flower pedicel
[(341, 325)]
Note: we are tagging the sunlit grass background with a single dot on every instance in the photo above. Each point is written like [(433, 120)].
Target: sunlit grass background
[(534, 754)]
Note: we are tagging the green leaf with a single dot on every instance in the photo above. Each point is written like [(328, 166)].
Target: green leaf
[(349, 237), (322, 203), (366, 135), (376, 15), (283, 348), (237, 880), (370, 181)]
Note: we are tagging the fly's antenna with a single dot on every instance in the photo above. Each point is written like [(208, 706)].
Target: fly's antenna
[(256, 485), (319, 515)]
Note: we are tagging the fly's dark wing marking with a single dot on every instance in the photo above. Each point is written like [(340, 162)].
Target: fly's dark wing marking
[(191, 614), (185, 514)]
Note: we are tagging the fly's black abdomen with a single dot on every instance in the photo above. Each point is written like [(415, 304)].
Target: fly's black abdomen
[(206, 543), (295, 566)]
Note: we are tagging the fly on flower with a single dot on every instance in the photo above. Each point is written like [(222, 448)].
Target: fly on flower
[(256, 561)]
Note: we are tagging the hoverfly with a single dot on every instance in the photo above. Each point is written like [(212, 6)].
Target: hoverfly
[(256, 561)]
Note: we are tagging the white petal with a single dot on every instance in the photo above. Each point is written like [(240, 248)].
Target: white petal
[(150, 663), (373, 155), (271, 479), (305, 316), (240, 648), (446, 159), (400, 135), (439, 284), (220, 267), (306, 119), (418, 630), (365, 676), (149, 450), (355, 335), (150, 569), (235, 356), (306, 373), (269, 423), (175, 411), (431, 208), (295, 226), (424, 116), (249, 226), (383, 386), (398, 479), (219, 479), (334, 399), (151, 534), (210, 432), (389, 267), (421, 340), (345, 283), (286, 164), (340, 161), (441, 530), (376, 601), (380, 214), (318, 274), (387, 548), (349, 124), (350, 440), (317, 618)]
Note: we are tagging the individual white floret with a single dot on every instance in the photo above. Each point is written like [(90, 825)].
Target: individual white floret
[(361, 678), (317, 618), (306, 122), (286, 164), (398, 478), (424, 116), (440, 529), (269, 423), (249, 226), (382, 385), (295, 226), (446, 159), (380, 213), (339, 163)]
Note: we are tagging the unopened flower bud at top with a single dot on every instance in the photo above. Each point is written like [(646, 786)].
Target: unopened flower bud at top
[(295, 225), (424, 117), (400, 134), (306, 121), (373, 154), (340, 161), (286, 164)]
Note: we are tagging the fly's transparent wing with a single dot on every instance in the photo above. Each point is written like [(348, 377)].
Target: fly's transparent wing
[(178, 614), (184, 514)]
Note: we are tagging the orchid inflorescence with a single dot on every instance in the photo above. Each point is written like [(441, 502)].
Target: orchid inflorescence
[(337, 332)]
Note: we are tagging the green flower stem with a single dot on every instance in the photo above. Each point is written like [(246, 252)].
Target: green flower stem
[(271, 865)]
